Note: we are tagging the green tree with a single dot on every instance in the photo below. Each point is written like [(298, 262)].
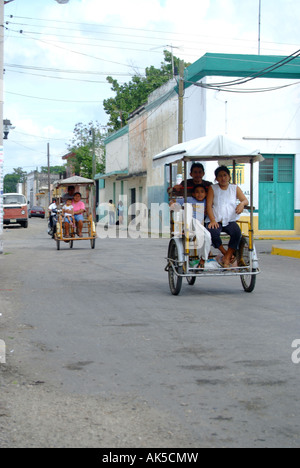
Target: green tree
[(12, 180), (88, 148), (53, 169), (130, 96)]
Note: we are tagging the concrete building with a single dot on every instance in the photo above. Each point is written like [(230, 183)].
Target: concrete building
[(36, 188), (263, 109)]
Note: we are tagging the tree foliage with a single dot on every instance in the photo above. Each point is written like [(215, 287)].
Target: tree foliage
[(130, 96), (87, 146), (11, 181), (53, 169)]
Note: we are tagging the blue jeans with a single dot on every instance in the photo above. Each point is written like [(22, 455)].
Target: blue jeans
[(233, 230)]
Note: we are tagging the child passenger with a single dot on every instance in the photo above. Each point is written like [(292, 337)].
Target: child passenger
[(197, 178), (198, 203), (68, 214), (198, 200)]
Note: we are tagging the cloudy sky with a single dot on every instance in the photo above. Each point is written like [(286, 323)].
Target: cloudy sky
[(57, 56)]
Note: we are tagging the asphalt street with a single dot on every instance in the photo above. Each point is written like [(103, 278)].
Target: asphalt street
[(215, 361)]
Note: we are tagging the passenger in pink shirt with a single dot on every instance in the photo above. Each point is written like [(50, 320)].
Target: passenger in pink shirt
[(79, 209)]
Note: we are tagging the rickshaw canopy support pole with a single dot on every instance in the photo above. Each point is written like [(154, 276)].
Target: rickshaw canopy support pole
[(251, 234), (234, 171), (186, 229), (170, 196)]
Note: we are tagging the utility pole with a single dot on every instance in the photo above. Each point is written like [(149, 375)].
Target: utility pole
[(180, 108), (259, 26), (1, 122), (49, 180), (94, 154), (2, 3)]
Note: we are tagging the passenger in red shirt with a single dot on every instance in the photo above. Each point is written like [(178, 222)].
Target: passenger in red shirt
[(79, 209)]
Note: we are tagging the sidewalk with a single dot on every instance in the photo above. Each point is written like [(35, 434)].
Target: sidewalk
[(284, 245)]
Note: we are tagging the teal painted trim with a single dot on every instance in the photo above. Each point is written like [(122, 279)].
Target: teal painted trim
[(238, 65), (123, 131), (110, 174), (295, 211)]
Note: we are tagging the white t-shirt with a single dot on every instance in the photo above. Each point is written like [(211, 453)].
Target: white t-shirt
[(52, 207), (224, 205), (68, 208)]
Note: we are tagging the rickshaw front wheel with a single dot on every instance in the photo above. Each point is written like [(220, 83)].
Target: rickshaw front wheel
[(175, 281), (249, 282)]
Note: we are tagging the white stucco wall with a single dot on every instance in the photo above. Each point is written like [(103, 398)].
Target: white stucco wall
[(268, 121), (117, 154)]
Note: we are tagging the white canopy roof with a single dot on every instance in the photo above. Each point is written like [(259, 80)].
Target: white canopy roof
[(76, 180), (220, 148)]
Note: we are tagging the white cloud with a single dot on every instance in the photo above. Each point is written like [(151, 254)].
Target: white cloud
[(197, 26)]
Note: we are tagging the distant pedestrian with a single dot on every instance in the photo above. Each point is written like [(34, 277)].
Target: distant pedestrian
[(112, 212), (121, 212)]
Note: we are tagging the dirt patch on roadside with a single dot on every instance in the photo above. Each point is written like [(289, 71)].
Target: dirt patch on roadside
[(36, 415)]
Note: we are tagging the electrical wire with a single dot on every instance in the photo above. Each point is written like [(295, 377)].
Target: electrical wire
[(59, 77), (101, 25), (60, 70), (242, 91), (68, 50), (52, 99), (186, 41)]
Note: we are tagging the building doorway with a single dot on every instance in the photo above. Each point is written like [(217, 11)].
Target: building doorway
[(276, 193), (133, 202)]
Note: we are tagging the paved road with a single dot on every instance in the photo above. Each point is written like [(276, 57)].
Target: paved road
[(214, 363)]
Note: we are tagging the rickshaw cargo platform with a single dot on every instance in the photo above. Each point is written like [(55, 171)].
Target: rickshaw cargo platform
[(183, 247)]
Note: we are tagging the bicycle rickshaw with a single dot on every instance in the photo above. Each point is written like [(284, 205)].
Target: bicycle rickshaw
[(86, 188), (182, 254)]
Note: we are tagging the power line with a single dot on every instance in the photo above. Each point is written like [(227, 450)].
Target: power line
[(68, 50), (60, 70), (52, 99), (242, 91), (186, 41), (58, 77), (101, 25)]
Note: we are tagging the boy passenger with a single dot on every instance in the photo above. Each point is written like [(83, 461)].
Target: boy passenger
[(197, 174)]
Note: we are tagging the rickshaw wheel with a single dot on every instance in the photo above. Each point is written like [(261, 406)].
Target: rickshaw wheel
[(175, 282), (93, 243), (191, 280), (58, 244), (71, 244), (249, 282)]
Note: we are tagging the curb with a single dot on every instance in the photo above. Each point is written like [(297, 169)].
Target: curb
[(285, 252)]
